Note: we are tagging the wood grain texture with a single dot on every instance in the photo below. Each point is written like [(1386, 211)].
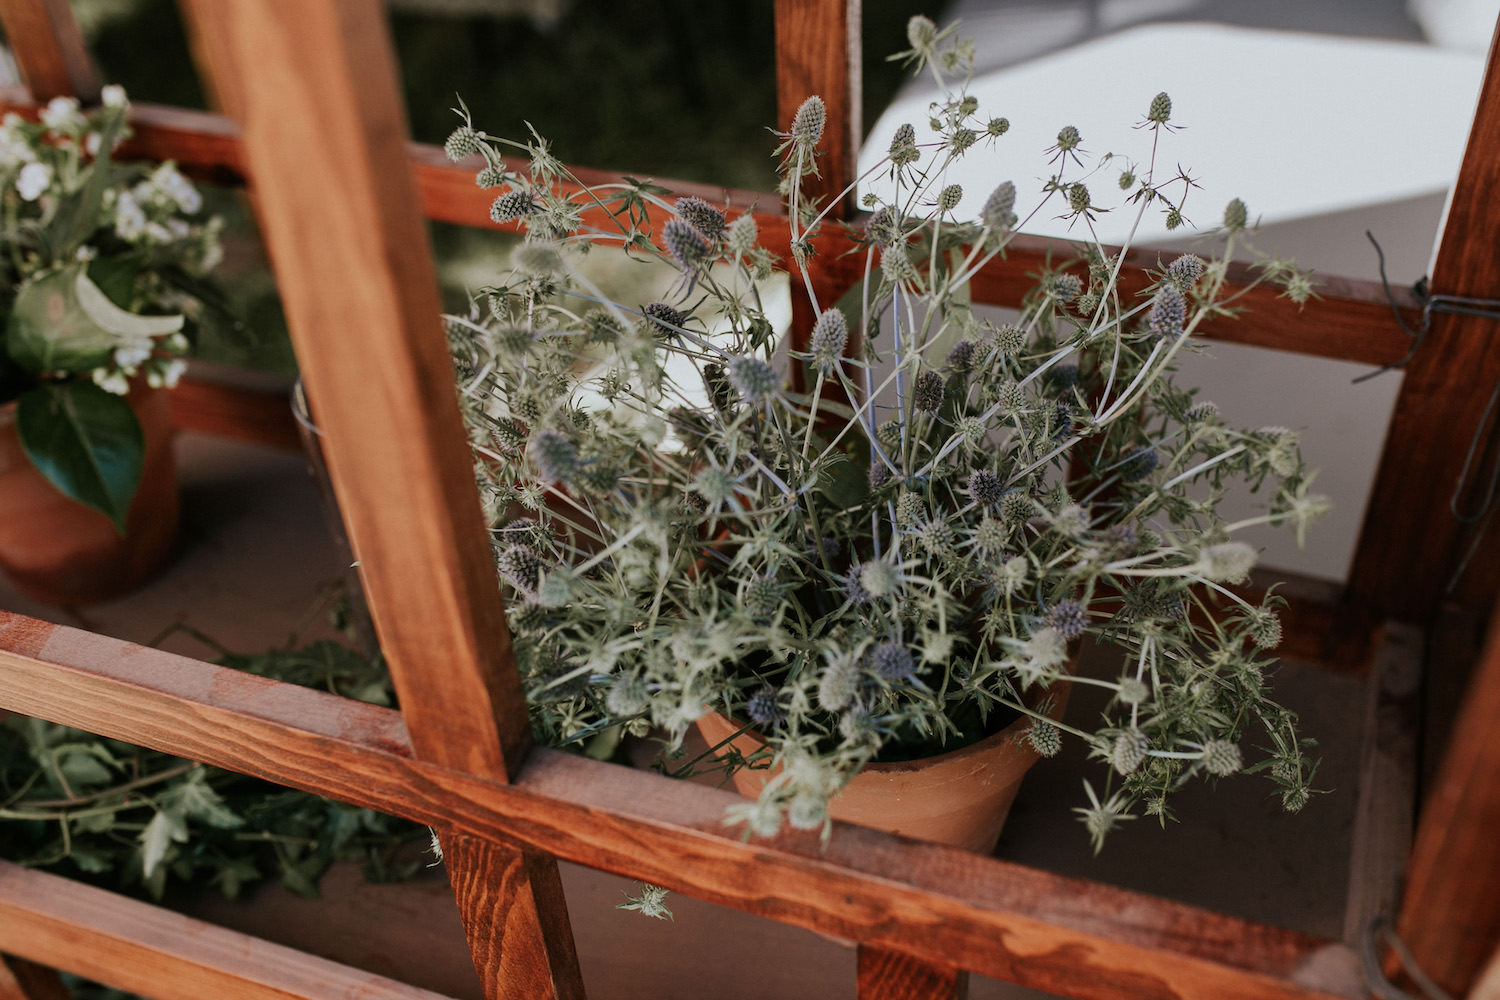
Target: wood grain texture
[(818, 54), (49, 50), (263, 418), (891, 975), (1450, 911), (1387, 785), (937, 904), (23, 980), (504, 899), (1411, 542), (146, 949)]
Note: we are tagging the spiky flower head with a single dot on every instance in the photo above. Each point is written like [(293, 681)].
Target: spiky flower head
[(663, 320), (1127, 180), (879, 578), (808, 122), (1168, 312), (702, 216), (490, 176), (626, 696), (1227, 562), (882, 229), (911, 509), (1065, 287), (961, 358), (1078, 197), (880, 475), (839, 684), (1236, 216), (895, 266), (522, 566), (1161, 109), (1068, 619), (1185, 270), (903, 149), (927, 393), (991, 536), (1044, 738), (830, 335), (1017, 508), (921, 32), (553, 455), (1132, 691), (714, 485), (511, 206), (603, 326), (742, 235), (753, 378), (763, 597), (1222, 758), (985, 487), (1201, 412), (949, 197), (685, 244), (1010, 340), (999, 212), (1264, 629), (1068, 139), (1129, 751), (997, 127), (892, 662), (764, 709), (1139, 464), (463, 141)]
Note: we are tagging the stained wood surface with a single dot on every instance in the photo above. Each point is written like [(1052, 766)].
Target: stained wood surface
[(934, 903), (1450, 911), (146, 949), (49, 50), (244, 414), (1387, 781), (23, 980), (521, 949), (891, 975), (1411, 542), (818, 54)]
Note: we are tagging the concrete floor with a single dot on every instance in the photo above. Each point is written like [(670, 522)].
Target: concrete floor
[(255, 568)]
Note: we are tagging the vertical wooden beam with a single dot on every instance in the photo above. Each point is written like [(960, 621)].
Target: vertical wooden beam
[(1409, 544), (891, 975), (49, 49), (1450, 915), (23, 980), (818, 53), (324, 129)]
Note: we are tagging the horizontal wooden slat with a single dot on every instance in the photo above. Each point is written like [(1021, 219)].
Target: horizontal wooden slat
[(936, 904), (1351, 322), (244, 414), (152, 951)]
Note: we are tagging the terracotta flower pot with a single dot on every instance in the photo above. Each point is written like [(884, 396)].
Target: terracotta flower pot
[(960, 798), (57, 551)]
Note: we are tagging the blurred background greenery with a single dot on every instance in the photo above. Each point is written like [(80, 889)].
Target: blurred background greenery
[(675, 89)]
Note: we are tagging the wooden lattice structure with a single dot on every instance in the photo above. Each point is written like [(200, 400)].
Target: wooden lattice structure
[(341, 196)]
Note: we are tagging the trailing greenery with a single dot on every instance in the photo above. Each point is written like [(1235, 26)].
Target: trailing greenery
[(136, 819), (899, 556), (102, 267)]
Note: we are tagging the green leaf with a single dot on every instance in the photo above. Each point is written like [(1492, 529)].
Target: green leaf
[(86, 442), (166, 828), (197, 799), (111, 317), (78, 215), (63, 322)]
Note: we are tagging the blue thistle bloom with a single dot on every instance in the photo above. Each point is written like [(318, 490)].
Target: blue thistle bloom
[(830, 334), (1168, 312), (903, 149), (892, 662), (701, 216), (1185, 270), (882, 229), (522, 566), (511, 206), (928, 391), (763, 709), (985, 487), (961, 358), (1139, 464), (854, 587), (554, 456), (665, 321), (685, 244), (880, 474), (754, 378), (808, 122), (1067, 618), (999, 213)]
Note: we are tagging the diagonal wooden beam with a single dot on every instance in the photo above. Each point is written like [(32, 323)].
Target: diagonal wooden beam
[(324, 137), (49, 49)]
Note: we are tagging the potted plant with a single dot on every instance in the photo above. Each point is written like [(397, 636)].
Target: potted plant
[(889, 559), (100, 273)]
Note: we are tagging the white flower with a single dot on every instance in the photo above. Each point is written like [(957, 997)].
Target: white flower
[(110, 381), (13, 145), (133, 352), (61, 115), (176, 188), (113, 96), (86, 252), (91, 143), (33, 180), (130, 218)]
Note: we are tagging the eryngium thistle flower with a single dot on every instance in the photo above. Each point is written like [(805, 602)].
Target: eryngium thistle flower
[(999, 213), (829, 336), (949, 197), (1185, 270), (839, 685), (1078, 197), (961, 358), (701, 216), (1160, 110), (895, 266), (985, 487), (878, 578), (490, 177), (927, 393), (1201, 412), (604, 327), (1139, 464), (1132, 691), (1265, 629), (463, 141), (911, 509), (1227, 562), (1044, 738), (991, 535), (1168, 312), (763, 597), (1016, 508), (742, 234), (626, 695), (553, 455), (521, 565), (921, 32), (891, 662), (715, 486), (903, 148), (663, 320), (1236, 215), (1067, 619), (511, 206), (854, 588), (753, 378), (880, 474), (1065, 287), (1068, 139), (997, 127), (685, 244), (808, 122), (1221, 757), (1129, 751), (881, 229), (763, 709)]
